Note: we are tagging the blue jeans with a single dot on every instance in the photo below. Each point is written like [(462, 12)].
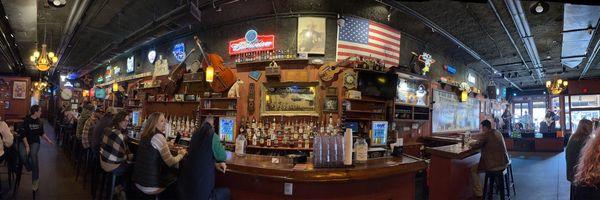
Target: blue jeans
[(31, 160), (220, 194)]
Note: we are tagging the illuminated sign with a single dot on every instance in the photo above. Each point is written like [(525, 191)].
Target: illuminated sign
[(252, 42), (179, 51), (100, 79), (99, 93), (130, 64), (471, 78), (68, 84), (108, 74), (116, 70), (151, 56), (450, 69)]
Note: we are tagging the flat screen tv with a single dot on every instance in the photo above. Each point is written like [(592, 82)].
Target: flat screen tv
[(378, 85)]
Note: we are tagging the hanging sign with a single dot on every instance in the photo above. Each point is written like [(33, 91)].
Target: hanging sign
[(130, 64), (179, 51), (151, 56), (450, 69), (100, 79), (99, 93), (252, 42), (108, 74)]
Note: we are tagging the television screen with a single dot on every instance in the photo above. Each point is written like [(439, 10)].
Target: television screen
[(376, 84), (352, 126), (226, 128)]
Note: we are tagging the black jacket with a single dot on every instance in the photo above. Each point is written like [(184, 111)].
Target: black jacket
[(150, 169), (197, 177)]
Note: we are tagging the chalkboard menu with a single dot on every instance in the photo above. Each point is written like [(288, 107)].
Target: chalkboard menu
[(451, 115)]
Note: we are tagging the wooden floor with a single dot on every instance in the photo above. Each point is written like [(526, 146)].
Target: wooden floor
[(538, 176), (57, 176)]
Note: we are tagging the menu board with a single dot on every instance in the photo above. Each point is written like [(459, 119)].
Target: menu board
[(451, 115)]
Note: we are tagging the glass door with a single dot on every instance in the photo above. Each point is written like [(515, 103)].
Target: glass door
[(538, 113)]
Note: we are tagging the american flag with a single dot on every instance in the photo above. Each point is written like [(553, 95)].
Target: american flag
[(362, 37)]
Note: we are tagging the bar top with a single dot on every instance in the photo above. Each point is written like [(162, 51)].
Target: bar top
[(281, 167), (455, 151)]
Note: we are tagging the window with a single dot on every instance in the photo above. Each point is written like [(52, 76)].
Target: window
[(538, 113), (585, 101), (519, 110), (584, 114), (556, 107), (567, 113)]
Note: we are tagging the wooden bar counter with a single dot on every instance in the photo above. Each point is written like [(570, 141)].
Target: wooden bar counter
[(259, 177), (449, 175)]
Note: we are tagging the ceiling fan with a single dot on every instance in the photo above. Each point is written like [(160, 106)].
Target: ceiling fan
[(57, 3)]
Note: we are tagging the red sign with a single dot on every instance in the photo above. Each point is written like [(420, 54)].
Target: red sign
[(262, 43)]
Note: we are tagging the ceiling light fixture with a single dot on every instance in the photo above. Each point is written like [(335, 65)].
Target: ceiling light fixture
[(57, 3), (539, 7), (556, 87)]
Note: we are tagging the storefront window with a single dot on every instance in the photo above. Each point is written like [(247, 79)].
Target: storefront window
[(585, 101), (585, 114), (567, 113), (556, 108), (519, 110), (539, 113)]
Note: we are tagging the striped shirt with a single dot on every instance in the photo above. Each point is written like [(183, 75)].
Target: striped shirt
[(87, 130)]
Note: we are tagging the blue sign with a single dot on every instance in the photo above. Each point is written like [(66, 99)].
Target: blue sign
[(99, 93), (450, 69), (251, 36), (179, 51)]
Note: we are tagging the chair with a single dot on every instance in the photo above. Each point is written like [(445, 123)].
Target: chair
[(497, 179)]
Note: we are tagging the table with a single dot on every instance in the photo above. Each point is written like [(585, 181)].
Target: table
[(449, 171)]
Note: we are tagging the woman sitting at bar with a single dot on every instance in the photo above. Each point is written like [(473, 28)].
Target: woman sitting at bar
[(576, 143), (153, 172), (114, 153), (197, 177), (587, 178)]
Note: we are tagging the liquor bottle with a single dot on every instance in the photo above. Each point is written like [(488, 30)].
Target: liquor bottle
[(300, 143), (262, 139), (240, 145), (306, 143), (254, 123), (254, 140), (269, 142)]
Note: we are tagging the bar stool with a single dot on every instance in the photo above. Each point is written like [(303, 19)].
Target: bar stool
[(106, 177), (497, 179), (83, 155), (512, 179)]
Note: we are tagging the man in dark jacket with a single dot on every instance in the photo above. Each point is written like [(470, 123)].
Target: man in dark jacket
[(494, 156), (197, 177)]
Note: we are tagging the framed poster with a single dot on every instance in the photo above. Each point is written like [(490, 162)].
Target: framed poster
[(289, 99), (19, 89), (330, 104), (311, 35), (380, 131)]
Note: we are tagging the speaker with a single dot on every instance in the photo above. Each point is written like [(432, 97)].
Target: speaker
[(491, 91)]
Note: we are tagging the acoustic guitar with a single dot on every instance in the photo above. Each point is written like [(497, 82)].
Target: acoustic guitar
[(223, 78), (330, 69)]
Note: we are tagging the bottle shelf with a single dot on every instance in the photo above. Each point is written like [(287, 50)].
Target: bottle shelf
[(218, 109), (365, 100)]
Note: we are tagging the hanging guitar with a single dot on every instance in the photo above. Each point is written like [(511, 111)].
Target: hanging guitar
[(175, 77), (329, 70), (223, 78)]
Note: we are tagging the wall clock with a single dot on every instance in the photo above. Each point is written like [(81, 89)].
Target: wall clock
[(350, 79), (66, 94)]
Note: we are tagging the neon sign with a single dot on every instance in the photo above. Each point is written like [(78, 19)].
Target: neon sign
[(179, 51), (130, 63), (151, 56), (252, 42), (450, 69)]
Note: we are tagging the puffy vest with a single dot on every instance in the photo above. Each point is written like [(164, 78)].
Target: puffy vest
[(150, 170)]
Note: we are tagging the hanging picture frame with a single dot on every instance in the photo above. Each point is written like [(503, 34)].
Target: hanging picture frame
[(19, 90), (311, 35), (289, 99)]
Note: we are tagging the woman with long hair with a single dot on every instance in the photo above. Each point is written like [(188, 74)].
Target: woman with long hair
[(32, 129), (587, 177), (154, 162), (576, 143)]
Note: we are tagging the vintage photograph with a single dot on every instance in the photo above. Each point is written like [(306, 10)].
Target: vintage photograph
[(19, 89), (311, 35), (330, 104), (289, 99)]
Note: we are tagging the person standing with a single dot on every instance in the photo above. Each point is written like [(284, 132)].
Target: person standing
[(494, 156), (573, 150), (506, 118), (154, 165), (33, 129), (205, 153), (587, 177)]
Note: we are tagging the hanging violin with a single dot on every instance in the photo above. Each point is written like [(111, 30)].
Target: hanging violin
[(223, 77)]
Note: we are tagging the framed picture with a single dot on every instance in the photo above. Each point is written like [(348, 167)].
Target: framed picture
[(311, 35), (19, 90), (289, 99), (330, 104)]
